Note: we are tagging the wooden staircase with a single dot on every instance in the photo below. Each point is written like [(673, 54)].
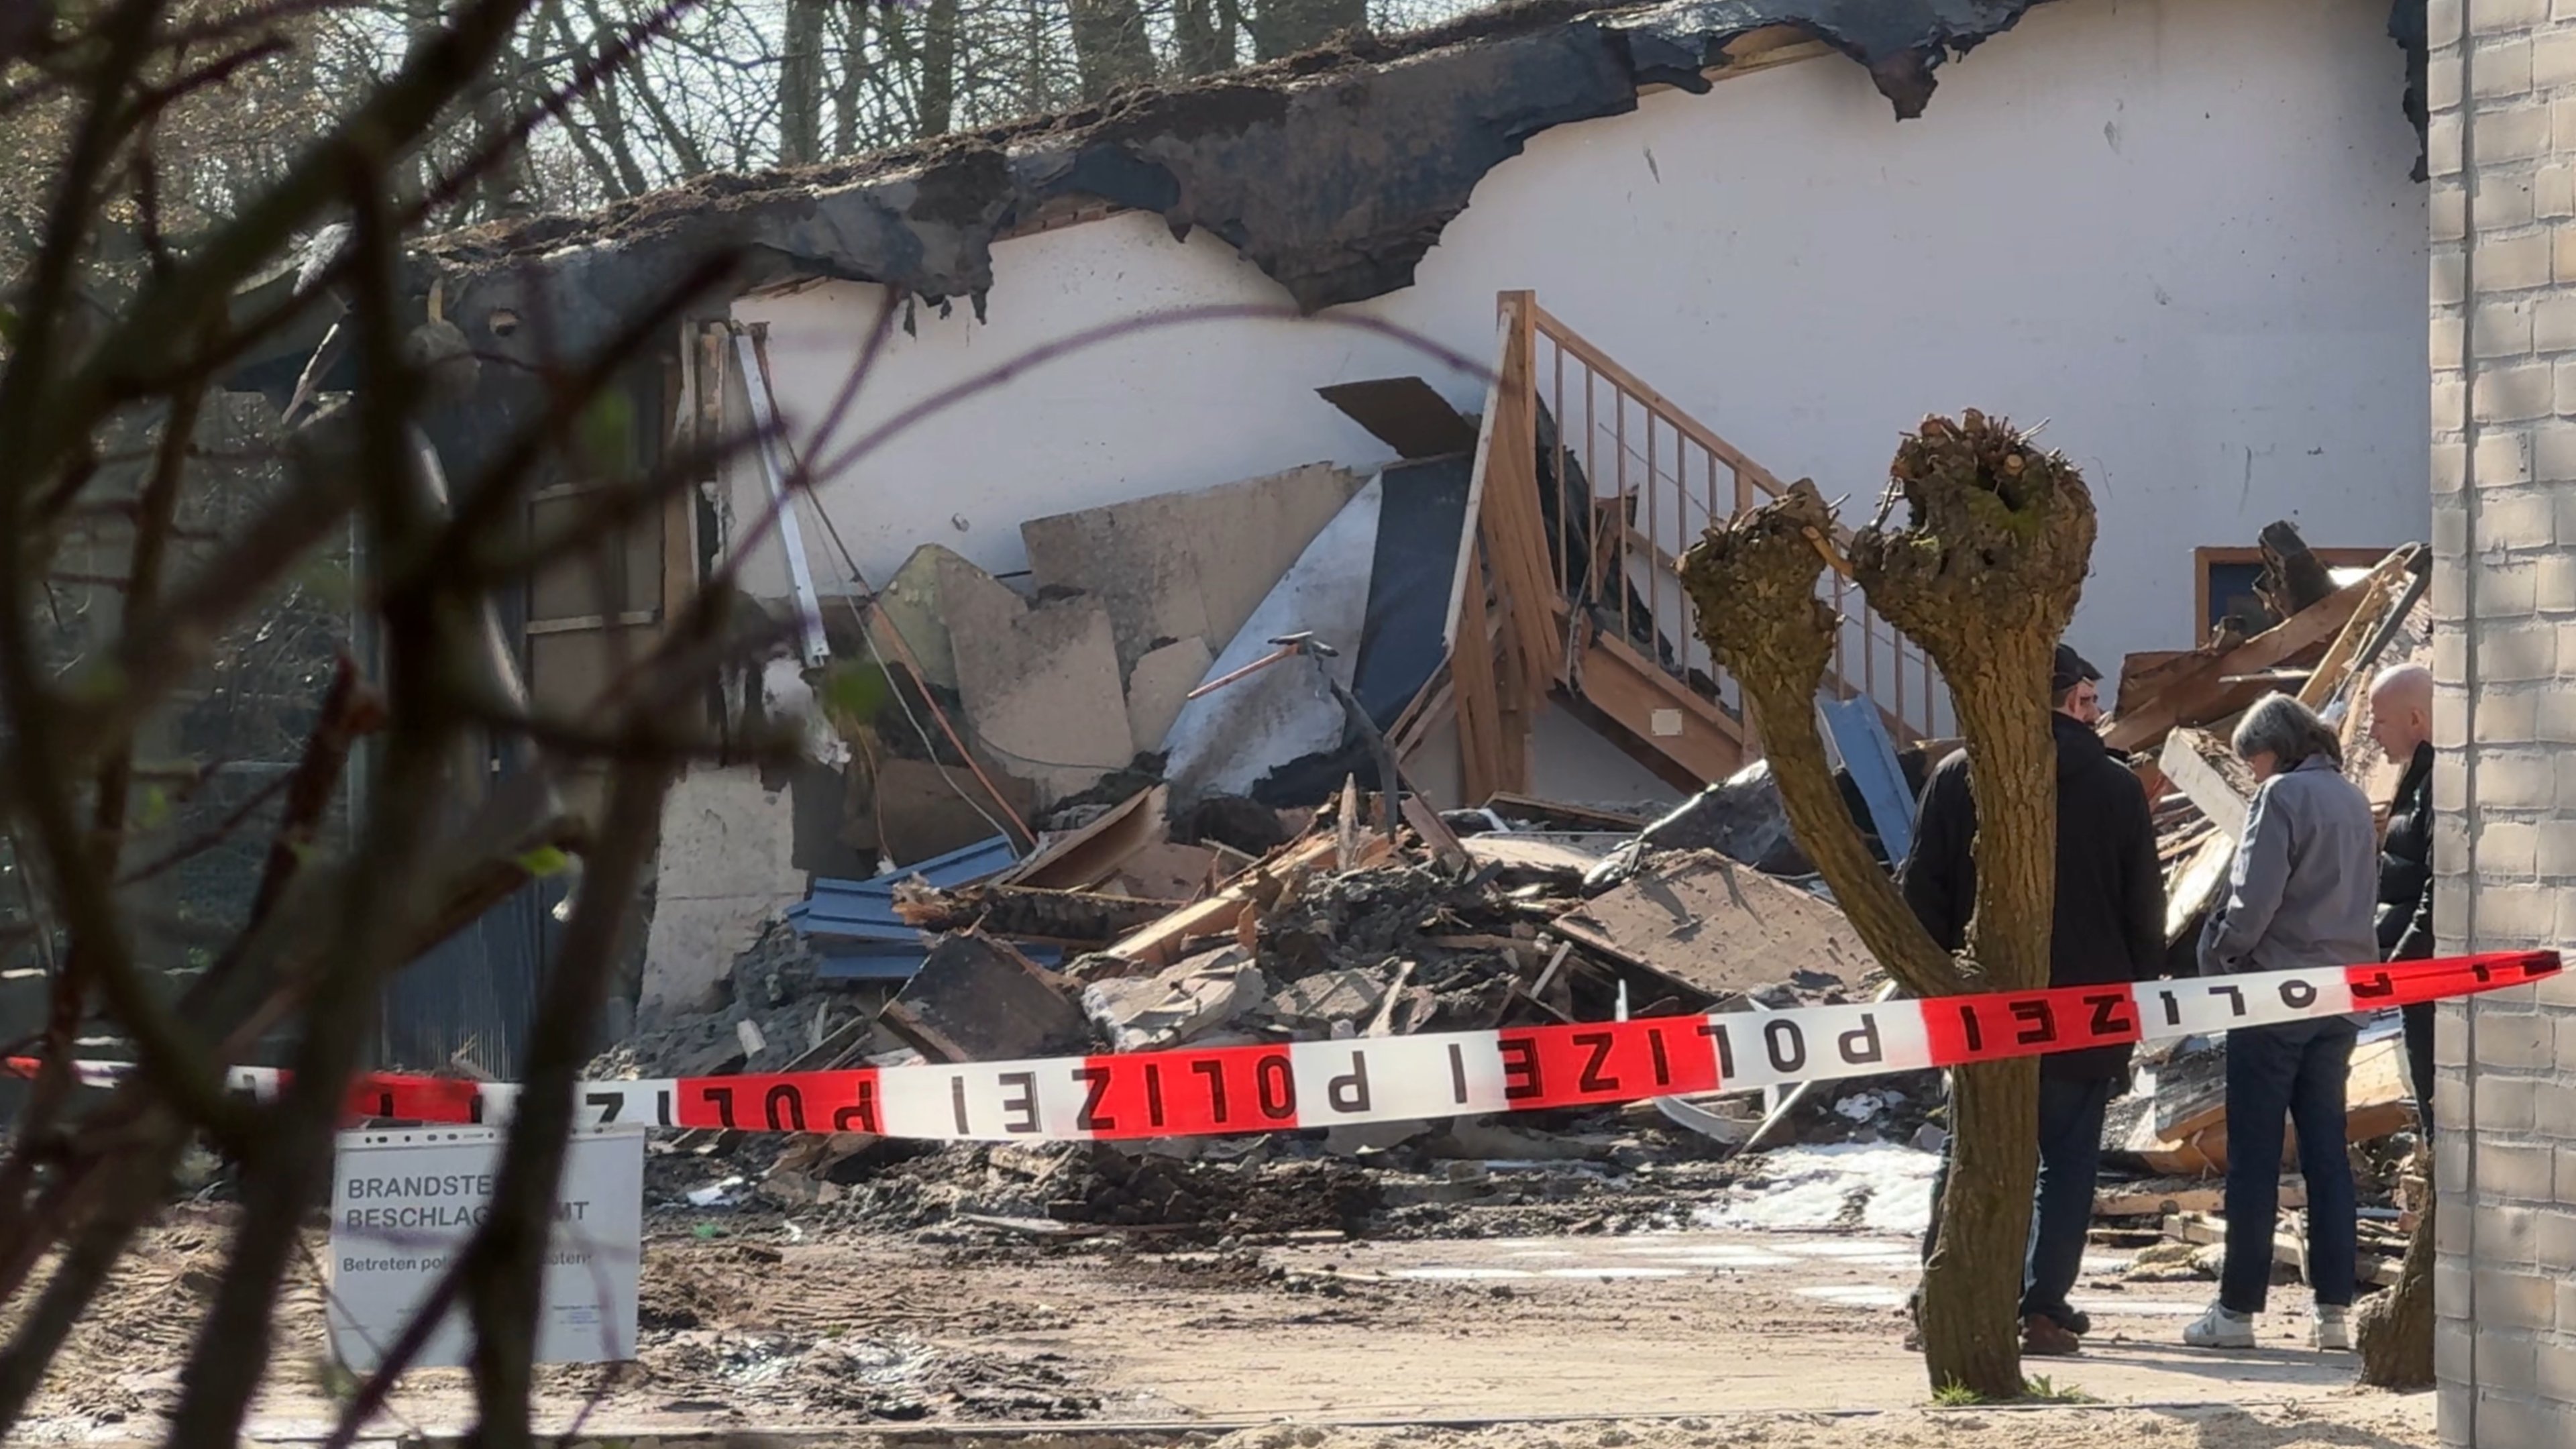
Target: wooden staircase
[(1588, 486)]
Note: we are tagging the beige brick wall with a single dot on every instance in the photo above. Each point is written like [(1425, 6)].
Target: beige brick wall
[(2502, 87)]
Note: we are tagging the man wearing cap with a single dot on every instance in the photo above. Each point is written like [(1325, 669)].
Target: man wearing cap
[(2109, 927)]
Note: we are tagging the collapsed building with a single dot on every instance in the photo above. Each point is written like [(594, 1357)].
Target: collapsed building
[(1432, 355), (2207, 288)]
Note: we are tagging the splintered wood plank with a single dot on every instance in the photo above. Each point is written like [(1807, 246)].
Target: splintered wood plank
[(2199, 693)]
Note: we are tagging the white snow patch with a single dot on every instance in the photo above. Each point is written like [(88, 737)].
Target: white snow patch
[(1808, 1187), (1857, 1295)]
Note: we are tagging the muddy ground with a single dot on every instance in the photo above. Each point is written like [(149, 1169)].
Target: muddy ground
[(1576, 1293)]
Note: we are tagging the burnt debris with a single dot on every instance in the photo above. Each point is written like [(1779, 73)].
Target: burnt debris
[(1276, 160)]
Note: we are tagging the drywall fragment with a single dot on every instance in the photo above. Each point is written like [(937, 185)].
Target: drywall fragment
[(1166, 872), (1186, 565), (1041, 689), (914, 810), (1158, 686), (909, 618)]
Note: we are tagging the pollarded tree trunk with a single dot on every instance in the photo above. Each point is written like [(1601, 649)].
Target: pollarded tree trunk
[(1971, 1309), (1984, 576), (2394, 1331)]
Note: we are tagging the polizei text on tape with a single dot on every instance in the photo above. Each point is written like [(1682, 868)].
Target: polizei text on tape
[(1329, 1083)]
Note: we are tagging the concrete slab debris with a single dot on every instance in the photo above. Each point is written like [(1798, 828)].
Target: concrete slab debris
[(727, 865), (1311, 1006), (1178, 1005), (1718, 925)]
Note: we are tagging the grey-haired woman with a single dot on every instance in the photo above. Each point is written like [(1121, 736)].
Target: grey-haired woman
[(2301, 894)]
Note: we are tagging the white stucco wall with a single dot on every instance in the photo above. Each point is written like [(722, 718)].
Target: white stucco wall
[(2181, 231)]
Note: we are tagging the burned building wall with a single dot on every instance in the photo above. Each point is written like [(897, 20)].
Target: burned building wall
[(2199, 264)]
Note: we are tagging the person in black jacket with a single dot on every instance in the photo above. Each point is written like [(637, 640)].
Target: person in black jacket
[(2109, 927), (2401, 723)]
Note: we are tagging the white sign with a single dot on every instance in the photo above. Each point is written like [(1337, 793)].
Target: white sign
[(404, 1205)]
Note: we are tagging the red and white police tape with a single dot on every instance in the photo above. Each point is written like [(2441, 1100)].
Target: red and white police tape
[(1324, 1083)]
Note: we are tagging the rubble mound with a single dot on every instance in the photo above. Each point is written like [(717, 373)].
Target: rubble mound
[(1223, 1199), (1372, 921), (775, 986)]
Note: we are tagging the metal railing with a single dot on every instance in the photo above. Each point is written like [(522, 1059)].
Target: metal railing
[(1629, 481)]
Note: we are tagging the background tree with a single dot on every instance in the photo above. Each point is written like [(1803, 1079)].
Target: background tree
[(1985, 576), (151, 543)]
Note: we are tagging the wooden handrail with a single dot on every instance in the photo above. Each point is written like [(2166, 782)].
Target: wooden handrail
[(1857, 667), (1636, 387)]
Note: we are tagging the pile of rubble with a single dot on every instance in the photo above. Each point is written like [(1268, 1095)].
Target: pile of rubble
[(1133, 925), (1522, 912)]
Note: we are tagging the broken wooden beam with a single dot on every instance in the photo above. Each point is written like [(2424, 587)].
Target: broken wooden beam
[(2149, 1199), (2197, 692), (1023, 913), (2290, 1248), (1161, 943)]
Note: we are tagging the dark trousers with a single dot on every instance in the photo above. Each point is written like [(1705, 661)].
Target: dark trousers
[(2296, 1070), (2070, 1159), (2419, 1064)]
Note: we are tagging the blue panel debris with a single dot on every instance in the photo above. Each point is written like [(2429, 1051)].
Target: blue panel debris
[(853, 926), (863, 910), (1860, 736)]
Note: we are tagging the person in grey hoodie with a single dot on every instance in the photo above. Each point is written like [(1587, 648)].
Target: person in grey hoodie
[(2301, 894)]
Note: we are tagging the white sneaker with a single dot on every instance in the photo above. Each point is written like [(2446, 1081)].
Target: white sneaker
[(2220, 1327), (2332, 1330)]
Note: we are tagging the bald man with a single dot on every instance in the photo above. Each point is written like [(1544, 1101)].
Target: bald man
[(2401, 723)]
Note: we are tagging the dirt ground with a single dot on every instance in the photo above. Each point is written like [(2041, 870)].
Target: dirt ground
[(752, 1323)]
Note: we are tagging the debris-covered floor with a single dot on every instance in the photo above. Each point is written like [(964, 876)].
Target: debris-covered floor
[(757, 1320), (1536, 1293)]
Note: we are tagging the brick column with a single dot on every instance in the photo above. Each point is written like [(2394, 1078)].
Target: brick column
[(2501, 89)]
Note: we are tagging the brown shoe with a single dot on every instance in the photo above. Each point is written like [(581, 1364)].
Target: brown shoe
[(2045, 1337)]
